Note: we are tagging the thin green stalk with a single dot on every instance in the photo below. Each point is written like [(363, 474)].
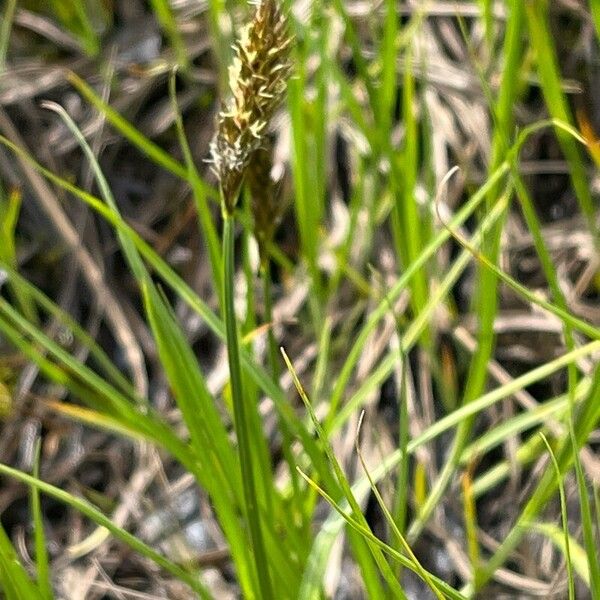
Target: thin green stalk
[(73, 16), (10, 209), (470, 520), (14, 579), (241, 418), (7, 20), (591, 549), (487, 14), (304, 186), (249, 324), (597, 508), (595, 10), (263, 459), (363, 530), (366, 561), (408, 229), (387, 59)]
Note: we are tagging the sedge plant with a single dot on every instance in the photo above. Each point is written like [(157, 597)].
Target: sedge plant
[(257, 81), (280, 562)]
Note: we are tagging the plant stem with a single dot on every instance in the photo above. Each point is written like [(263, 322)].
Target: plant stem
[(240, 416)]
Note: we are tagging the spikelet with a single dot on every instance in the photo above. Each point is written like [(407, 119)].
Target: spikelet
[(257, 79)]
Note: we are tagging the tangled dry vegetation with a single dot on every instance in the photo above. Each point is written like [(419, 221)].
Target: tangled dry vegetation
[(330, 248)]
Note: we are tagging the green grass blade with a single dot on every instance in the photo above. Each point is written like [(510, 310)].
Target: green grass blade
[(217, 465), (589, 542), (387, 61), (470, 520), (566, 317), (595, 10), (10, 208), (406, 219), (596, 492), (550, 79), (549, 410), (401, 500), (487, 12), (88, 386), (357, 54), (392, 522), (324, 540), (304, 187), (73, 15), (129, 250), (5, 27), (221, 42)]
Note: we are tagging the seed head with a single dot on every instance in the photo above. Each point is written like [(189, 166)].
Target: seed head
[(257, 79)]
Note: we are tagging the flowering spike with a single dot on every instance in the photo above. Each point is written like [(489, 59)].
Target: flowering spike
[(257, 78)]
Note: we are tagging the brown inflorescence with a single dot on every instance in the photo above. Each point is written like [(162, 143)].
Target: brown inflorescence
[(257, 79)]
